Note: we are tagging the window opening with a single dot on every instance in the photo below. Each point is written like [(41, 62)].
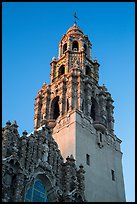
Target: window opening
[(37, 192), (113, 175), (93, 111), (56, 109), (61, 70), (100, 136), (75, 46), (67, 105), (88, 159), (88, 71)]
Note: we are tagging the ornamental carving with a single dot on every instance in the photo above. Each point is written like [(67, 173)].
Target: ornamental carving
[(36, 156)]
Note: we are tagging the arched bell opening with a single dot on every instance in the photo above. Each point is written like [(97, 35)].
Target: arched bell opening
[(55, 112), (75, 46), (61, 70), (94, 109)]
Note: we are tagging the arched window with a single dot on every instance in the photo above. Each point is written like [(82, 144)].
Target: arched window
[(55, 108), (88, 71), (64, 47), (61, 70), (37, 192), (75, 46)]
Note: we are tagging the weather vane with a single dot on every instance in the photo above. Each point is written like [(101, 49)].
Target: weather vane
[(75, 16)]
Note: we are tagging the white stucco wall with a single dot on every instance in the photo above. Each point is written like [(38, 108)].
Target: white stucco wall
[(78, 137)]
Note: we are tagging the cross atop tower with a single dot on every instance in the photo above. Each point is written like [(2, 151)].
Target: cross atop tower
[(75, 16)]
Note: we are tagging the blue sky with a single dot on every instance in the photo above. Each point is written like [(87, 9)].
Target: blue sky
[(30, 36)]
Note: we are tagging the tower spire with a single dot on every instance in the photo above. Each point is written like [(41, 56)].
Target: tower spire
[(76, 17)]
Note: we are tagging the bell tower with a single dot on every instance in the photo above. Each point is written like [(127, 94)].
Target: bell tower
[(80, 114)]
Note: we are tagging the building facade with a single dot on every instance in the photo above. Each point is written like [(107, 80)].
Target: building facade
[(33, 169), (79, 113)]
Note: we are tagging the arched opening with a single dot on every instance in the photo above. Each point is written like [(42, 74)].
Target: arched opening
[(64, 47), (37, 192), (88, 71), (75, 46), (94, 109), (55, 108), (61, 70), (39, 189)]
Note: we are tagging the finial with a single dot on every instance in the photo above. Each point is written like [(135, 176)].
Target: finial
[(72, 158), (81, 166), (95, 60), (8, 123), (75, 16), (24, 133), (15, 124), (54, 58), (67, 158)]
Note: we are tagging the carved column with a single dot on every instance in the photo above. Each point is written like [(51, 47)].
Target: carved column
[(29, 153), (60, 49), (7, 182), (81, 44), (67, 176), (60, 102), (19, 188), (59, 168), (40, 146), (38, 106), (110, 118), (23, 147), (67, 67), (55, 159), (88, 99), (45, 151), (102, 104), (5, 139), (69, 43), (53, 69), (80, 92), (50, 155), (70, 93), (81, 179)]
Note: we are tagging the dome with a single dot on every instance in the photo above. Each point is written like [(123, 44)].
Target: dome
[(74, 29)]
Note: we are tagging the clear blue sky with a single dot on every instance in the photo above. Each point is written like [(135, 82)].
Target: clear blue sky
[(30, 36)]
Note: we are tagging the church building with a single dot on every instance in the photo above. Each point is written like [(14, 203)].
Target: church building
[(73, 154)]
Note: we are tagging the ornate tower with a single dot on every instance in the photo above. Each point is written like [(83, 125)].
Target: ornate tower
[(80, 113)]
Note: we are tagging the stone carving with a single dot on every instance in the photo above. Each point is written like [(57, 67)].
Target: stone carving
[(38, 154), (45, 151)]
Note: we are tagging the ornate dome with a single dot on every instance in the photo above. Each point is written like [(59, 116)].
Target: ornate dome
[(74, 29)]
